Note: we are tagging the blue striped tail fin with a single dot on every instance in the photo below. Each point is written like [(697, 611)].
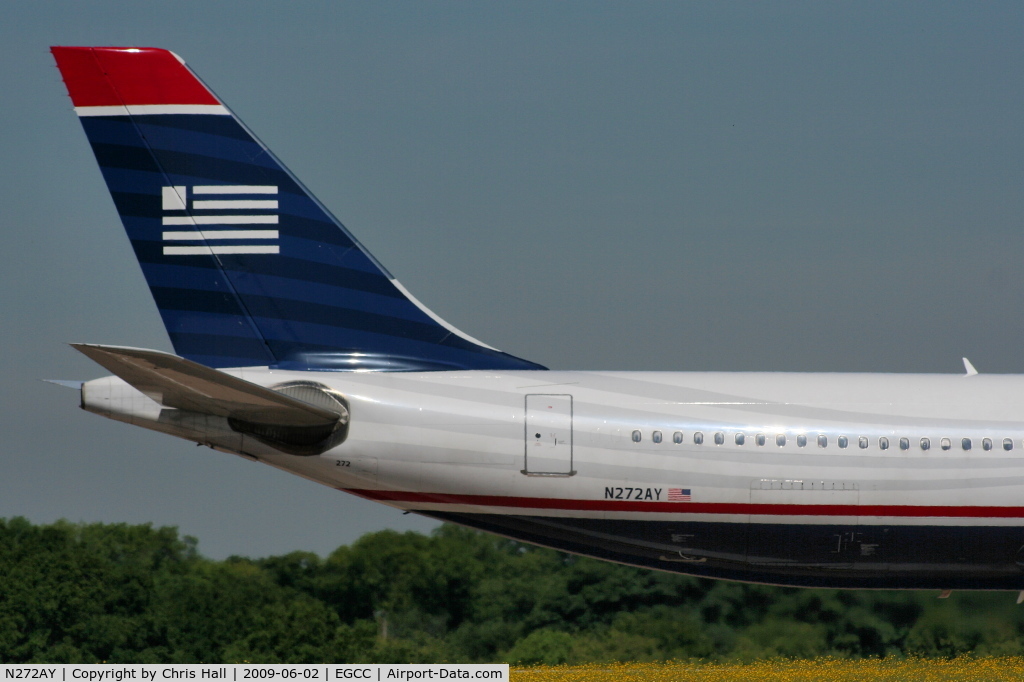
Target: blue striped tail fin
[(246, 267)]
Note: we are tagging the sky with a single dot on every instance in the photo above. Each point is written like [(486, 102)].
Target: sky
[(788, 186)]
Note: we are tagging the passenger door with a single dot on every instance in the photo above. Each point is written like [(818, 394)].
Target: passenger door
[(548, 435)]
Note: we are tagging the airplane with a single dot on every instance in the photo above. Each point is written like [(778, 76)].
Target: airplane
[(296, 348)]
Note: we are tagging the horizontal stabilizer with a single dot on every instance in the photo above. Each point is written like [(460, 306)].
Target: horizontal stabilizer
[(77, 385), (176, 382)]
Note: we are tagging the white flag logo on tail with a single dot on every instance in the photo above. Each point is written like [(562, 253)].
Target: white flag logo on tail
[(235, 215)]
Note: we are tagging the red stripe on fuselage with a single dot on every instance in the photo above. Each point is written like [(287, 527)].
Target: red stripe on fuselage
[(911, 511), (116, 76)]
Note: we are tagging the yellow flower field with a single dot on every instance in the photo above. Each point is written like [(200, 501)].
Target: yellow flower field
[(825, 669)]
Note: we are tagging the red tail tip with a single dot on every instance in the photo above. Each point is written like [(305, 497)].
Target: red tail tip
[(125, 76)]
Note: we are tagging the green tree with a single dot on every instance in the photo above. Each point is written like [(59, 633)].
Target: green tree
[(120, 593)]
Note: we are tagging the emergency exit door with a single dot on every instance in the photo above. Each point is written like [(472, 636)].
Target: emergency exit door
[(548, 435)]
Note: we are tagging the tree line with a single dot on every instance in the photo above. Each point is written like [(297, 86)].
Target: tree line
[(137, 594)]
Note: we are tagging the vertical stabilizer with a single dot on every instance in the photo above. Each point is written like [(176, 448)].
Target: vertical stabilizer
[(245, 265)]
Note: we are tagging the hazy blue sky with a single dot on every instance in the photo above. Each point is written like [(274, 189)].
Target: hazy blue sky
[(653, 186)]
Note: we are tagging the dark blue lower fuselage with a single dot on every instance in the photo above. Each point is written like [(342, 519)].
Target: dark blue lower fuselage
[(837, 556)]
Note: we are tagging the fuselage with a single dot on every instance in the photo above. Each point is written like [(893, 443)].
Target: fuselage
[(845, 480)]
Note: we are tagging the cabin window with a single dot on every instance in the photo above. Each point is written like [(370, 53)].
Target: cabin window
[(780, 439), (822, 441), (656, 436), (740, 439), (637, 437), (986, 443), (925, 443), (698, 438), (945, 444), (904, 443), (843, 441), (801, 441), (719, 438), (862, 442), (677, 437), (1007, 444), (883, 443), (759, 439), (965, 443)]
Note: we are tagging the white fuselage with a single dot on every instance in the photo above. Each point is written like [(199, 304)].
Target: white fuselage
[(737, 450)]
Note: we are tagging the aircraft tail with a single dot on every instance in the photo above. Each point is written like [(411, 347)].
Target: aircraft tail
[(246, 267)]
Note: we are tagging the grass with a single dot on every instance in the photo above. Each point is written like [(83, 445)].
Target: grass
[(824, 669)]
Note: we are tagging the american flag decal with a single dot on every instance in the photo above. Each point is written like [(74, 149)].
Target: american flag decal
[(678, 494), (234, 209)]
